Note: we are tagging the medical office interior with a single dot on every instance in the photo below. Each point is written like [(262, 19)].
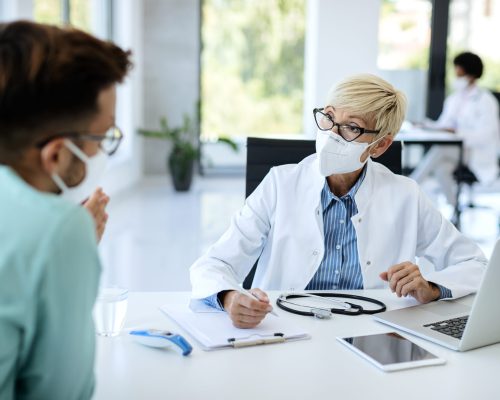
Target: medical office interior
[(192, 56), (221, 71)]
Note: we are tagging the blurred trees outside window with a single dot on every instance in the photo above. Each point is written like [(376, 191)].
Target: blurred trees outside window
[(404, 34), (80, 14), (252, 67), (48, 11), (51, 12), (475, 26)]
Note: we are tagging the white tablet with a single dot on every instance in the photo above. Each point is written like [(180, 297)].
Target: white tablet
[(391, 351)]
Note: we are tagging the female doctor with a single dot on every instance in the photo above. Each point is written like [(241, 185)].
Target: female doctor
[(472, 114), (338, 220)]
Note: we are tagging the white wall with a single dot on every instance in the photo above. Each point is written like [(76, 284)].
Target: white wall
[(171, 48), (341, 40)]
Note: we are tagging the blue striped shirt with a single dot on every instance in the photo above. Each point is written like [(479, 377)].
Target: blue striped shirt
[(340, 268)]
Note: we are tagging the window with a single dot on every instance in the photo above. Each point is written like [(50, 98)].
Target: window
[(48, 11), (404, 34), (98, 21), (475, 26), (404, 42), (74, 12), (252, 67), (80, 14)]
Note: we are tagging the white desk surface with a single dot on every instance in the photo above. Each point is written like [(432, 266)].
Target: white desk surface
[(427, 135), (316, 368)]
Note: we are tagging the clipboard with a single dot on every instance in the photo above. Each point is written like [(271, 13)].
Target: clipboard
[(215, 330)]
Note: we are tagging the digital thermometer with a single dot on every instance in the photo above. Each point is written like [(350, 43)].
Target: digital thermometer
[(162, 339)]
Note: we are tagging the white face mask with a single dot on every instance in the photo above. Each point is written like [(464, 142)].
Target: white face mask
[(338, 156), (460, 83), (94, 168)]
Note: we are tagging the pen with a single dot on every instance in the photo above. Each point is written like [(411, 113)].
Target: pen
[(250, 294)]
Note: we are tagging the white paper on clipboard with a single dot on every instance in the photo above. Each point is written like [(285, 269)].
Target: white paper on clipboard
[(215, 330)]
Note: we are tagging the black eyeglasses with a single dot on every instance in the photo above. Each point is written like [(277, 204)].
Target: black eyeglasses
[(108, 143), (325, 122)]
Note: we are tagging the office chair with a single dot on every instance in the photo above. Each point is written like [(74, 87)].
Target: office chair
[(263, 154), (464, 176)]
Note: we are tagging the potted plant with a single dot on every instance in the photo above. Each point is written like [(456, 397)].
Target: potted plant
[(185, 149)]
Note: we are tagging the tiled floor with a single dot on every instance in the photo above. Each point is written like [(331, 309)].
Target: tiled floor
[(154, 234)]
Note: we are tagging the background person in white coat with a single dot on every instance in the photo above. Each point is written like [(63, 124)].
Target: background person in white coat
[(472, 113), (338, 220)]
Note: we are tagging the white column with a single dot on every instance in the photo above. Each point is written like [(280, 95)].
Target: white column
[(171, 46), (100, 18), (16, 9), (341, 40)]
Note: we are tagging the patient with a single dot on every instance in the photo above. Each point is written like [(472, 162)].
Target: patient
[(57, 124)]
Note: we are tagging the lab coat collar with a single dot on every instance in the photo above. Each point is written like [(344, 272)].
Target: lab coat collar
[(366, 189), (470, 91), (318, 180)]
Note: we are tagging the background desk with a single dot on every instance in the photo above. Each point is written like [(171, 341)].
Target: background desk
[(420, 136), (317, 368)]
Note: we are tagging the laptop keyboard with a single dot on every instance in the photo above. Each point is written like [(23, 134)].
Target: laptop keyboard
[(452, 327)]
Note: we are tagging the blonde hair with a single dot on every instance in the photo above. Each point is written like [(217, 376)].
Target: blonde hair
[(372, 99)]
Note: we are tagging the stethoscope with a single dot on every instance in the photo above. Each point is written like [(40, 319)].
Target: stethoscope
[(346, 308)]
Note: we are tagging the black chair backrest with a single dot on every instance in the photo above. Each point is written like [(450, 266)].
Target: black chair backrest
[(263, 154)]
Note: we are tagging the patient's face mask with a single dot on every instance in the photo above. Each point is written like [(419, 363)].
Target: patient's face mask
[(94, 168), (337, 156)]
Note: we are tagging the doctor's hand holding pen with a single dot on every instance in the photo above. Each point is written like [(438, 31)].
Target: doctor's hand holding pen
[(246, 311), (405, 279)]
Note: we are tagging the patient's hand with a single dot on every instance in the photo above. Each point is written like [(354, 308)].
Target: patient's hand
[(405, 279), (96, 206)]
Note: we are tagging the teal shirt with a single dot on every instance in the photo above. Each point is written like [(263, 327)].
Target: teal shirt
[(49, 272)]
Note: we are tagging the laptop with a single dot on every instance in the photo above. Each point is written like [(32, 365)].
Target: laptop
[(454, 324)]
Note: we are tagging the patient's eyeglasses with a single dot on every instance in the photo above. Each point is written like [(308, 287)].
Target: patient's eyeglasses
[(108, 143)]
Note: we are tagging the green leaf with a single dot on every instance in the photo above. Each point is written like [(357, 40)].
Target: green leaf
[(229, 142)]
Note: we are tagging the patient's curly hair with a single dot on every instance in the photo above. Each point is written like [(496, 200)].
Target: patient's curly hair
[(51, 76)]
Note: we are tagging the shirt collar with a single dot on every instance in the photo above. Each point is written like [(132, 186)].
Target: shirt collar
[(328, 196), (470, 91)]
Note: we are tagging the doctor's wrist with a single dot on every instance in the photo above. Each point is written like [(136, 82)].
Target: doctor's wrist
[(436, 292), (224, 299)]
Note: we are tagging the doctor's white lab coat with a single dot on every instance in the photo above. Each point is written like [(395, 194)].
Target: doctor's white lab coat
[(281, 225), (473, 114)]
